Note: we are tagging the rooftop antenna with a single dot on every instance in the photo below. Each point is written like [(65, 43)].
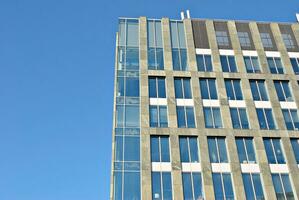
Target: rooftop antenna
[(182, 15), (188, 14)]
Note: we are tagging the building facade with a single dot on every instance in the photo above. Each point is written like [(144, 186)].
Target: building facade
[(205, 109)]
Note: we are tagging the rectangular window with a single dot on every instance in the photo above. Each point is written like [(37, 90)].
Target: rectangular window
[(160, 149), (275, 65), (178, 44), (228, 63), (217, 150), (233, 89), (244, 39), (161, 185), (155, 46), (252, 64), (295, 65), (208, 88), (127, 116), (282, 186), (258, 90), (189, 149), (295, 145), (158, 116), (291, 119), (266, 40), (128, 58), (265, 118), (223, 187), (283, 90), (253, 186), (212, 117), (204, 63), (245, 150), (182, 88), (192, 185), (222, 38), (274, 151), (185, 117), (157, 87), (239, 118), (288, 41)]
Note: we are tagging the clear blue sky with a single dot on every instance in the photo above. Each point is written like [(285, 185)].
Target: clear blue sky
[(56, 87)]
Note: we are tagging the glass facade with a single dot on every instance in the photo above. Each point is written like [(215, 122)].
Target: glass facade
[(161, 185), (283, 91)]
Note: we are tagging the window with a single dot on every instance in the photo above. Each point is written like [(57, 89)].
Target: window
[(157, 87), (212, 117), (295, 65), (204, 63), (223, 187), (244, 39), (178, 43), (288, 41), (125, 148), (275, 65), (208, 88), (192, 185), (295, 145), (258, 90), (245, 150), (161, 185), (253, 186), (160, 149), (155, 46), (265, 118), (274, 151), (128, 58), (252, 64), (127, 185), (233, 89), (185, 117), (127, 86), (228, 63), (283, 91), (182, 88), (239, 118), (266, 40), (217, 150), (222, 38), (127, 116), (291, 119), (158, 116), (282, 186), (189, 149)]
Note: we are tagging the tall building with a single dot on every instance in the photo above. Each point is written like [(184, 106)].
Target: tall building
[(205, 109)]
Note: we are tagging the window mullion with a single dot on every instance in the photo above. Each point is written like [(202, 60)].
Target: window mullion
[(251, 180), (208, 87), (266, 119), (161, 183), (258, 90), (291, 116), (233, 87), (212, 114), (281, 182), (239, 117)]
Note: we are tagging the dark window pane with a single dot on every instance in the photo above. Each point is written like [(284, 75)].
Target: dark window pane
[(163, 116), (241, 150), (217, 117), (176, 59), (212, 87), (132, 116), (131, 185), (152, 87), (193, 149), (224, 64), (243, 117), (232, 64), (161, 88), (208, 61), (184, 62), (208, 117), (287, 186), (190, 117), (132, 148), (200, 63), (153, 116), (181, 116), (278, 151), (213, 154), (132, 87), (295, 145), (151, 59), (184, 149), (217, 183), (261, 118), (197, 185), (187, 186), (155, 150), (270, 118), (235, 118), (187, 88), (156, 185), (269, 151), (204, 89), (248, 186), (222, 150), (160, 59), (258, 186), (228, 187), (118, 148), (178, 88), (165, 156), (167, 188)]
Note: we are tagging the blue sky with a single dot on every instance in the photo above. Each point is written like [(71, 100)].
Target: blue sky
[(56, 87)]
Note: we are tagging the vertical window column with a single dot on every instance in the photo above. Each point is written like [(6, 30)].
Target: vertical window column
[(155, 45)]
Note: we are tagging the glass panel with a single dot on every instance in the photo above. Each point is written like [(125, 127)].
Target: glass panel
[(241, 150), (117, 185), (131, 185), (279, 90), (295, 145), (118, 148), (131, 148), (278, 151), (184, 61), (271, 65), (193, 149), (255, 64), (163, 116), (151, 59), (279, 65), (222, 150), (287, 91), (218, 187), (243, 117), (152, 87), (238, 91), (269, 151), (132, 58), (217, 117), (158, 34), (209, 66), (187, 88), (167, 190), (178, 88), (161, 88), (295, 65), (235, 118), (190, 117), (153, 116), (213, 150), (132, 116), (232, 64), (208, 117), (184, 149), (254, 90), (287, 186), (156, 185), (174, 35), (120, 87), (212, 88), (181, 116), (151, 33), (229, 90), (132, 33), (200, 63), (248, 64), (224, 64), (270, 118), (250, 149), (261, 118), (277, 186), (187, 186), (122, 32), (204, 89), (120, 116), (287, 119), (165, 156), (176, 59), (132, 87), (263, 91), (228, 187), (197, 184), (258, 186), (160, 59), (248, 186), (181, 32), (295, 119), (155, 150)]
